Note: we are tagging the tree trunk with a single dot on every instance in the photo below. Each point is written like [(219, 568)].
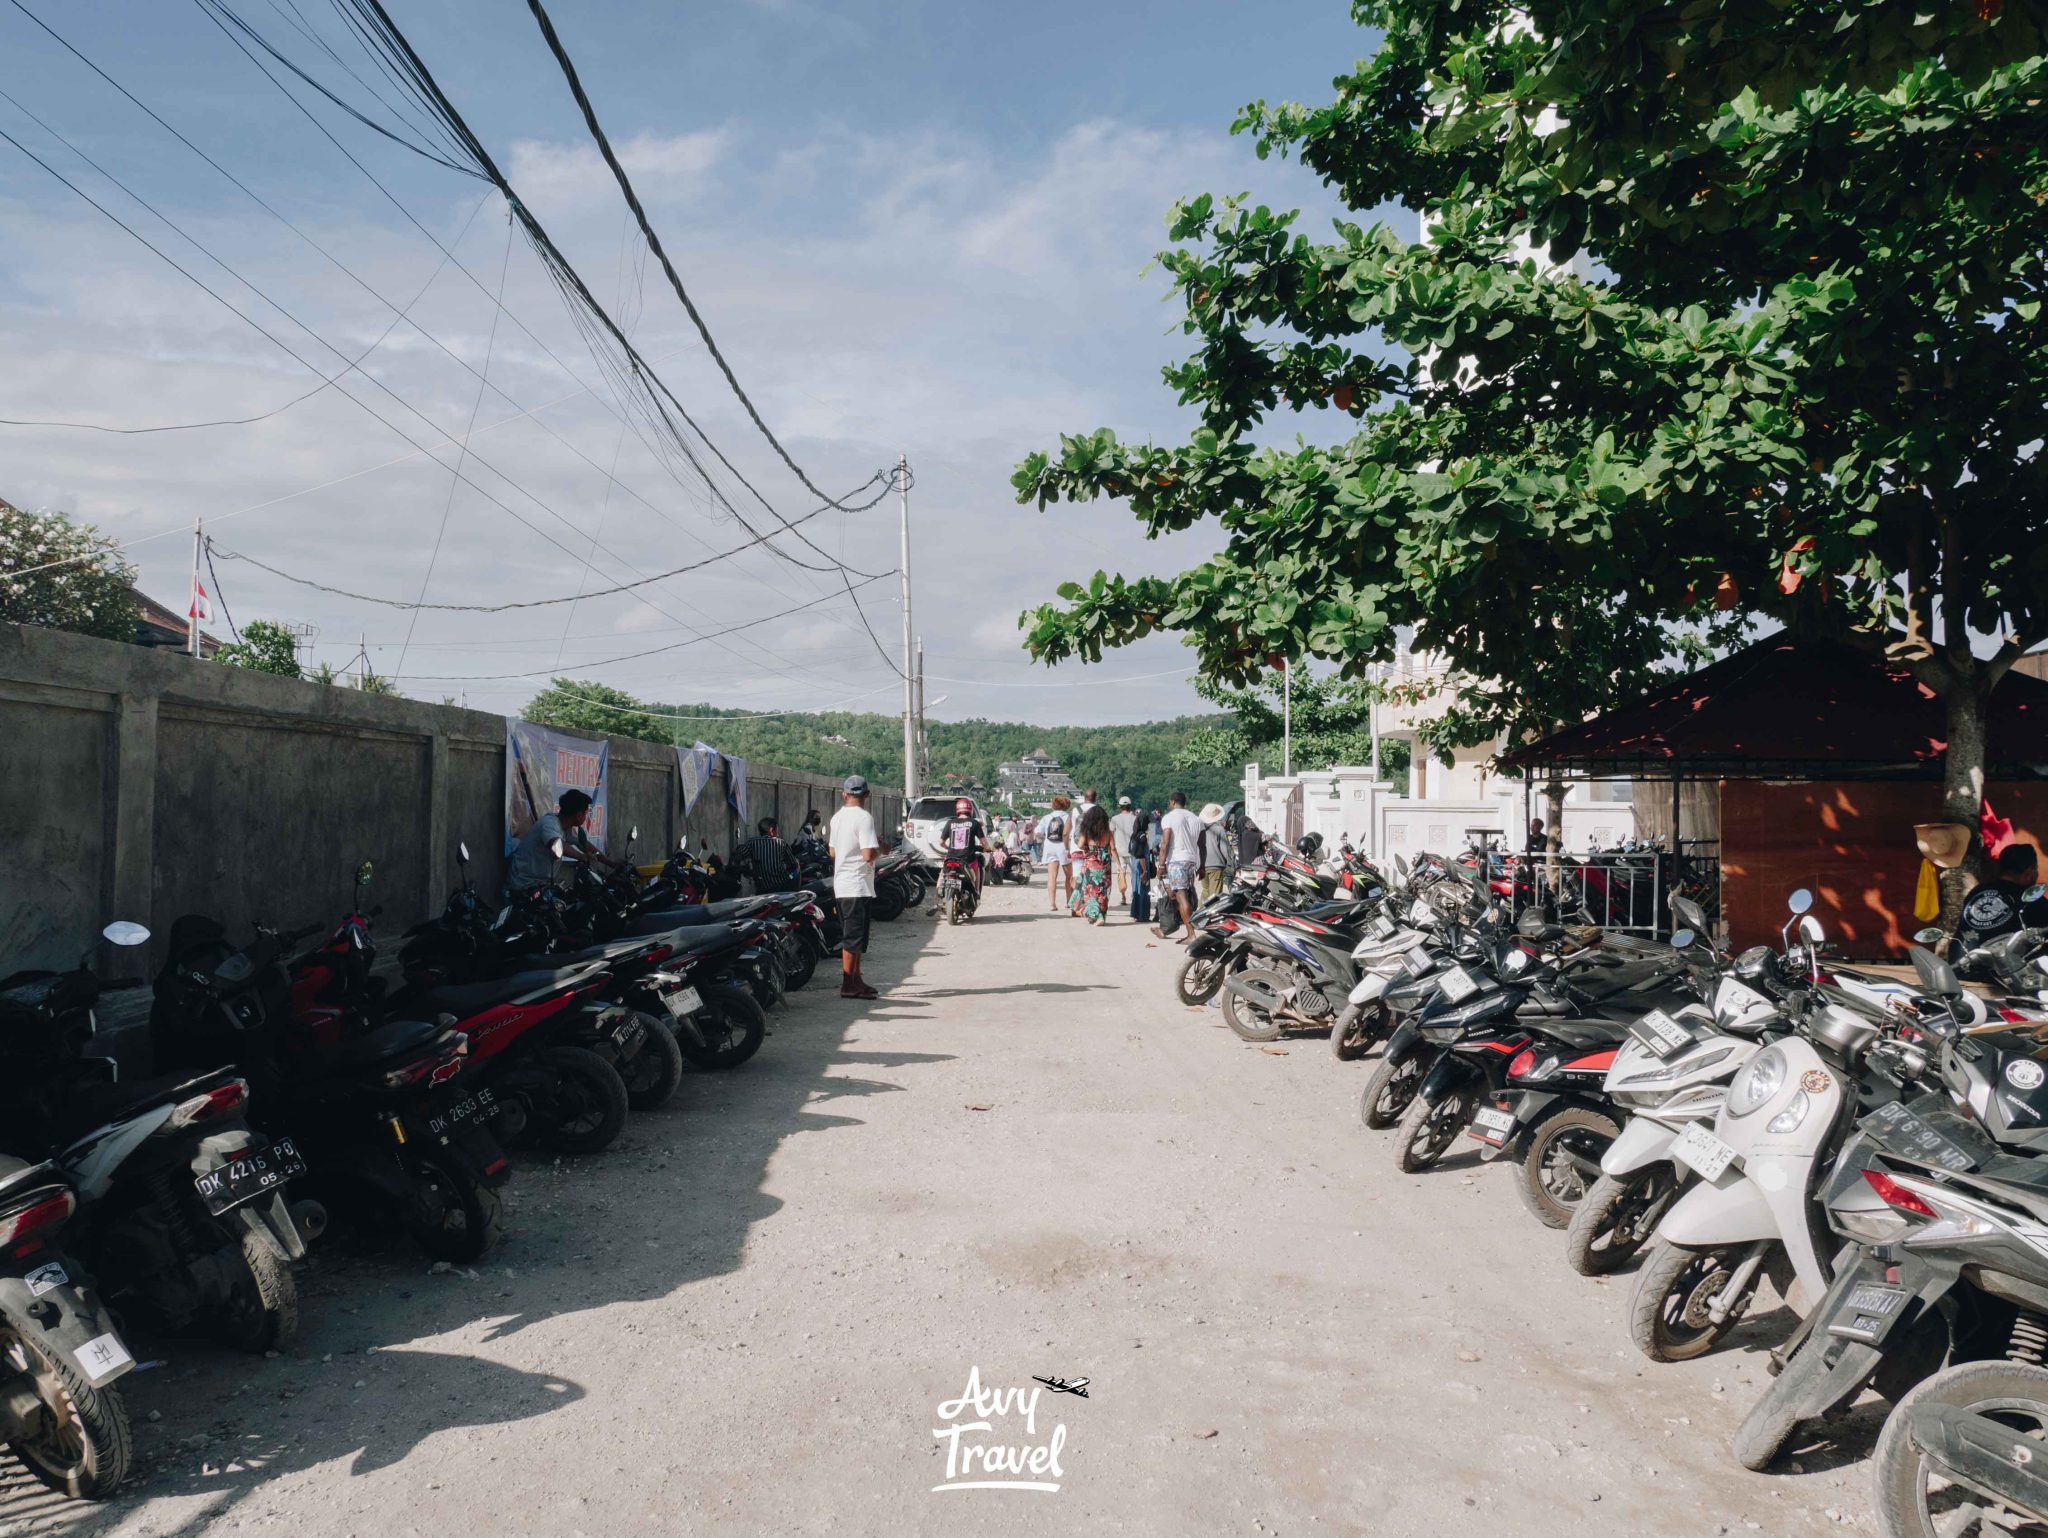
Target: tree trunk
[(1962, 787), (1553, 827)]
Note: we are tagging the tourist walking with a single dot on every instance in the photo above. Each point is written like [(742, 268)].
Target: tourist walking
[(1180, 852), (1092, 859), (1215, 851), (1120, 845), (1053, 829), (1138, 845)]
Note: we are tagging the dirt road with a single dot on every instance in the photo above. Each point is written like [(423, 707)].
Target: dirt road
[(1026, 1161)]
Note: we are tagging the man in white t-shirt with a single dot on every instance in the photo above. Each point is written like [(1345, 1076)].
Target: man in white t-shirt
[(1120, 827), (855, 843), (1180, 856)]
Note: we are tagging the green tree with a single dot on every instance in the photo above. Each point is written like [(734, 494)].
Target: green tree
[(1331, 720), (266, 646), (1807, 386), (83, 584)]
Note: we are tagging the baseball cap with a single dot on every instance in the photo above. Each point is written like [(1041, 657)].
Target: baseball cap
[(856, 785), (1123, 800)]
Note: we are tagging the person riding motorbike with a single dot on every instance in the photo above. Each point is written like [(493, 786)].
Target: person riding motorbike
[(533, 860), (962, 838)]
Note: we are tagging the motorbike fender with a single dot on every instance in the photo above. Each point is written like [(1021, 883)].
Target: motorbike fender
[(1731, 1209), (1448, 1073), (1643, 1141), (1982, 1453), (1370, 987), (66, 1318), (271, 1223), (1403, 1043), (1786, 1182)]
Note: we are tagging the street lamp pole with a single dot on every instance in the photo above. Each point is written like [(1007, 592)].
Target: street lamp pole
[(909, 675)]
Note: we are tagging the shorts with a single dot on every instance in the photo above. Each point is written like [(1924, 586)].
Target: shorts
[(1055, 854), (853, 924), (1212, 882), (1180, 875)]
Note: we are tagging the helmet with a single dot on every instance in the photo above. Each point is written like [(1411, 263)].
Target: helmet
[(1311, 843)]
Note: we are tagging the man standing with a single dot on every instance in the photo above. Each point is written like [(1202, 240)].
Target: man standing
[(533, 861), (1215, 850), (767, 858), (855, 843), (1180, 854), (1120, 827)]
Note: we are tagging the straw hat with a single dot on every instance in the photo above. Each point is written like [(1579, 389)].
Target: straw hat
[(1212, 813), (1943, 843)]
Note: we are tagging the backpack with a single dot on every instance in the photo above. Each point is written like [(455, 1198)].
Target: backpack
[(1138, 846), (1054, 829)]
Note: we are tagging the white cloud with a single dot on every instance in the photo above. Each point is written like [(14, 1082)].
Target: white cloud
[(555, 175)]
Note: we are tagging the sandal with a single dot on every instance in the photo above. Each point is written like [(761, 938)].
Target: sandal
[(864, 991)]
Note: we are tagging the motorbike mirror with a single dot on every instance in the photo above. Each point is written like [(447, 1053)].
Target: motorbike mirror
[(122, 932), (1800, 900), (1683, 939), (682, 842), (1689, 913), (633, 832), (462, 849), (1929, 936), (2034, 893), (1936, 975), (1401, 866), (1810, 930)]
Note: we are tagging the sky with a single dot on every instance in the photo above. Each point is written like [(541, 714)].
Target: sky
[(911, 227)]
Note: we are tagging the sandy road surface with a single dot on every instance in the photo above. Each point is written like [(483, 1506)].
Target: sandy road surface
[(748, 1316)]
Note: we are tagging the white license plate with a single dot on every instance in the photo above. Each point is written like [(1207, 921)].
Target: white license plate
[(1458, 984), (1701, 1151), (1661, 1034), (684, 1001), (1382, 927), (1494, 1120), (1419, 961)]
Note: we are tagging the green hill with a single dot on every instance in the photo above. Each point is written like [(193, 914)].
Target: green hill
[(1114, 760)]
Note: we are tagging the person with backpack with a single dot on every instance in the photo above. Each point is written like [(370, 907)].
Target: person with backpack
[(1138, 856), (1053, 829)]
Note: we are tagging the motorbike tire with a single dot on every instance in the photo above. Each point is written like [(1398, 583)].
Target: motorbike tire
[(1251, 1022), (797, 974), (1389, 1092), (1775, 1416), (1198, 980), (736, 1032), (598, 1096), (1553, 1177), (264, 1311), (1617, 1218), (651, 1077), (890, 900), (1351, 1035), (84, 1446), (1427, 1131), (1665, 1333), (2008, 1391), (479, 1209)]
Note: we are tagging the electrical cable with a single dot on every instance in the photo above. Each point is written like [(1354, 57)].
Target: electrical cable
[(223, 597)]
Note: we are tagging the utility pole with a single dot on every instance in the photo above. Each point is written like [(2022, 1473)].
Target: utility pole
[(1286, 717), (910, 786), (924, 752), (192, 600)]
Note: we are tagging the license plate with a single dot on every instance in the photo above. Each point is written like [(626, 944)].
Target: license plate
[(627, 1033), (248, 1175), (1491, 1125), (1869, 1312), (684, 1001), (1699, 1150), (475, 1108), (1896, 1128), (1382, 927), (1458, 984), (1419, 961), (1661, 1034)]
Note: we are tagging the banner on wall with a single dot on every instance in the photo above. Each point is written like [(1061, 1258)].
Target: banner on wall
[(540, 764), (695, 766), (736, 786)]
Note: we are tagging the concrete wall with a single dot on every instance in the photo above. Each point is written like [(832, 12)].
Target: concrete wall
[(143, 785)]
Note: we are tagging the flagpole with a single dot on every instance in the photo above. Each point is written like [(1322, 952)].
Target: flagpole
[(192, 594)]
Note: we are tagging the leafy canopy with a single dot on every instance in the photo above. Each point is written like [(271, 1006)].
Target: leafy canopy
[(266, 646), (91, 591)]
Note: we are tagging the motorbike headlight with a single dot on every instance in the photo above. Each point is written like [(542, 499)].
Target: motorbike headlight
[(1788, 1120), (1758, 1080)]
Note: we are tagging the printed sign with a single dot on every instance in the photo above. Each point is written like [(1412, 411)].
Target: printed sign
[(540, 764)]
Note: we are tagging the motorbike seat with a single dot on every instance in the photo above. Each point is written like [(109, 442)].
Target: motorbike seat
[(708, 913), (707, 937), (1585, 1035), (515, 988), (399, 1038), (94, 1105)]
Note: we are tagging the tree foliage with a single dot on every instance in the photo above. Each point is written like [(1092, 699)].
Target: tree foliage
[(91, 592), (1135, 760), (267, 646), (1331, 725), (1785, 363)]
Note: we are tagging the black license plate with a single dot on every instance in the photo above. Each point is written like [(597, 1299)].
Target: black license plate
[(475, 1108), (1869, 1312), (627, 1033), (250, 1174), (1896, 1128)]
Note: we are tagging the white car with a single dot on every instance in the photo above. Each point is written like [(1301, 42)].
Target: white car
[(926, 816)]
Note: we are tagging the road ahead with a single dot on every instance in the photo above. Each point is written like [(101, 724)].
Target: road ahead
[(1027, 1160)]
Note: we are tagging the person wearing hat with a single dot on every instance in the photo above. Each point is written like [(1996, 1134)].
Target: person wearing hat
[(855, 843), (533, 861), (1120, 829), (1215, 856)]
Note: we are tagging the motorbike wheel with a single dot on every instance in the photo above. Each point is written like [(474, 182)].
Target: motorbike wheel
[(262, 1312), (1563, 1161), (1912, 1498), (1775, 1416), (797, 973), (1200, 977), (1352, 1033), (1427, 1131), (589, 1108), (1616, 1219), (733, 1025), (651, 1078), (890, 900), (1252, 1021), (1389, 1092), (1668, 1318), (454, 1218), (83, 1445)]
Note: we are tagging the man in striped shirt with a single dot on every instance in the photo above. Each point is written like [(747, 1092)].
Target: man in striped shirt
[(767, 858)]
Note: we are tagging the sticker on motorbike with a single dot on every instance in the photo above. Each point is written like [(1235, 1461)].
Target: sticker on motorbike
[(1899, 1130), (475, 1108), (684, 1001), (45, 1278), (1703, 1153), (1660, 1033), (1869, 1312), (259, 1168), (102, 1356)]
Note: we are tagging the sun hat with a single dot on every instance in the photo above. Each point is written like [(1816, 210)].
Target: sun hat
[(1212, 813)]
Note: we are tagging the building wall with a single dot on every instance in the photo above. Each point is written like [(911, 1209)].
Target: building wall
[(141, 784)]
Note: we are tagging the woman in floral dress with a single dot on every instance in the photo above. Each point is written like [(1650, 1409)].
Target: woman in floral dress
[(1091, 892)]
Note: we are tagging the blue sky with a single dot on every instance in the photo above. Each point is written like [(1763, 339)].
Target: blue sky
[(910, 226)]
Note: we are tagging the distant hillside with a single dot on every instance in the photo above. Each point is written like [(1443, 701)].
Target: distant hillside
[(1114, 760)]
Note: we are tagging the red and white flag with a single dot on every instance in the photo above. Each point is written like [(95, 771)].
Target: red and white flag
[(200, 608)]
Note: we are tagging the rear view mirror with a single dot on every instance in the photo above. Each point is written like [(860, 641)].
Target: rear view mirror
[(1928, 937), (1689, 913), (556, 846), (1800, 900), (122, 932), (1936, 975), (463, 850), (1684, 939), (2034, 893), (682, 842), (634, 831), (1810, 930), (363, 874)]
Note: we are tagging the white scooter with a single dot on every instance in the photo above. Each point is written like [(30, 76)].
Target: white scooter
[(1751, 1213)]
